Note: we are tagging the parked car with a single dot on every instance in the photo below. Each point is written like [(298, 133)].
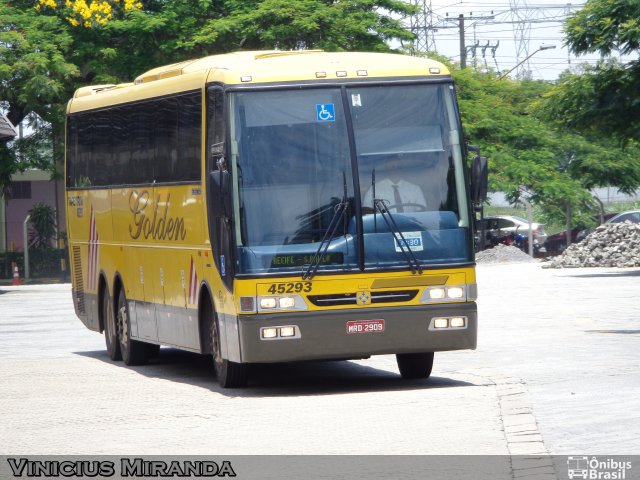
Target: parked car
[(512, 229), (632, 216), (557, 243)]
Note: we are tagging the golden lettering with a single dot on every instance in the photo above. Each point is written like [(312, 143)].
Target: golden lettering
[(160, 226)]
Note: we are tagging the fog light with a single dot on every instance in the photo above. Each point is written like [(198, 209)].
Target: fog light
[(247, 304), (287, 331), (269, 332), (457, 322), (287, 302), (436, 293), (268, 302), (455, 292), (441, 323)]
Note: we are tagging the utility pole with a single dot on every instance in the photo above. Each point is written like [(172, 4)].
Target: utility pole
[(463, 46), (520, 15)]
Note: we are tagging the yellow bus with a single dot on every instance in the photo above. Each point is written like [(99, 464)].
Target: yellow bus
[(273, 207)]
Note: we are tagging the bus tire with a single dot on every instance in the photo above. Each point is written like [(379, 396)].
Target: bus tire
[(133, 352), (230, 374), (110, 330), (415, 365), (154, 350)]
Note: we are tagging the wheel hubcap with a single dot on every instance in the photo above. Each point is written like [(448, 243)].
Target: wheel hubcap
[(215, 346), (123, 325), (111, 326)]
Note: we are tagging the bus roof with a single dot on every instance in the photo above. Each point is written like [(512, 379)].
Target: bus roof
[(246, 68)]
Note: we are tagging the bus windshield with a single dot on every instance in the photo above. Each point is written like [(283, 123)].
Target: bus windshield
[(295, 190)]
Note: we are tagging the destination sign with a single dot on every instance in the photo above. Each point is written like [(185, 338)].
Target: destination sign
[(300, 259)]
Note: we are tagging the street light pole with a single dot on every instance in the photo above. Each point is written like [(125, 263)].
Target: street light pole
[(542, 47)]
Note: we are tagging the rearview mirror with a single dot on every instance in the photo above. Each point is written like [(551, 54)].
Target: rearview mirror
[(479, 179)]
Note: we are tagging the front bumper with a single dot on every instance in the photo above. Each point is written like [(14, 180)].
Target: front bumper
[(323, 334)]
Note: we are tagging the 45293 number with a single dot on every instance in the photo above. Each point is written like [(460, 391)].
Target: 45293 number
[(294, 287)]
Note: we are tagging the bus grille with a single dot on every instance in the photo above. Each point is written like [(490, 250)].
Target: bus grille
[(332, 300), (77, 272)]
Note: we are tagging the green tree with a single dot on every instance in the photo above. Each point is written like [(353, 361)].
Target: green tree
[(42, 229), (45, 55), (602, 99), (35, 77), (556, 167)]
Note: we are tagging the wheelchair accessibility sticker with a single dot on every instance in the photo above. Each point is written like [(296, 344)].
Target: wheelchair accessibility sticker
[(325, 112)]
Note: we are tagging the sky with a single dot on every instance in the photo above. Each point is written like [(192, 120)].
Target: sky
[(545, 64)]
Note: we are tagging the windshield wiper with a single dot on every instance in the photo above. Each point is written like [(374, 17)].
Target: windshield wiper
[(339, 210), (411, 259)]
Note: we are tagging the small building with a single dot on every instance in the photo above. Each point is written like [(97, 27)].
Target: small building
[(27, 189)]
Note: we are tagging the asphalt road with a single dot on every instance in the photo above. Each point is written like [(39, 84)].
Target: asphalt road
[(555, 372)]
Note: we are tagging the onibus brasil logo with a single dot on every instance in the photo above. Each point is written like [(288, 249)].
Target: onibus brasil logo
[(596, 469)]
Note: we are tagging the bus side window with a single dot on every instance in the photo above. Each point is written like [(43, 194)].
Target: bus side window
[(216, 130), (189, 136)]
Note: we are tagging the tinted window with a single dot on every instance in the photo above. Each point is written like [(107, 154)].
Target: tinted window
[(216, 127), (157, 140), (188, 138), (72, 146), (84, 168), (142, 145), (121, 128), (504, 223), (633, 217), (102, 149), (166, 140)]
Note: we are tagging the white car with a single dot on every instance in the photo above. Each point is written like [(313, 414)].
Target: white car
[(632, 216), (499, 227)]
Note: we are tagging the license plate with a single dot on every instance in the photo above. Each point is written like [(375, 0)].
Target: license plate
[(365, 326)]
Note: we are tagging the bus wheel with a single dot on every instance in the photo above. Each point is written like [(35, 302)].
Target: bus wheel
[(154, 350), (229, 374), (133, 352), (110, 331), (415, 365)]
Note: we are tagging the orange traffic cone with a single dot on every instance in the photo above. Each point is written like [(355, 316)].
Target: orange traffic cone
[(16, 276)]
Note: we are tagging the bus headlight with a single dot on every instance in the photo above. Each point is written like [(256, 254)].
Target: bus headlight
[(285, 332), (269, 332), (288, 331), (437, 293), (457, 322), (286, 302), (440, 323), (274, 303), (267, 302), (455, 292), (445, 293), (448, 323)]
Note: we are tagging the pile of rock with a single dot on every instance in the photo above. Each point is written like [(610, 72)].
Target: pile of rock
[(503, 254), (611, 245)]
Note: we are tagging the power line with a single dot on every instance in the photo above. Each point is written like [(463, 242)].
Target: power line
[(524, 16), (422, 27)]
